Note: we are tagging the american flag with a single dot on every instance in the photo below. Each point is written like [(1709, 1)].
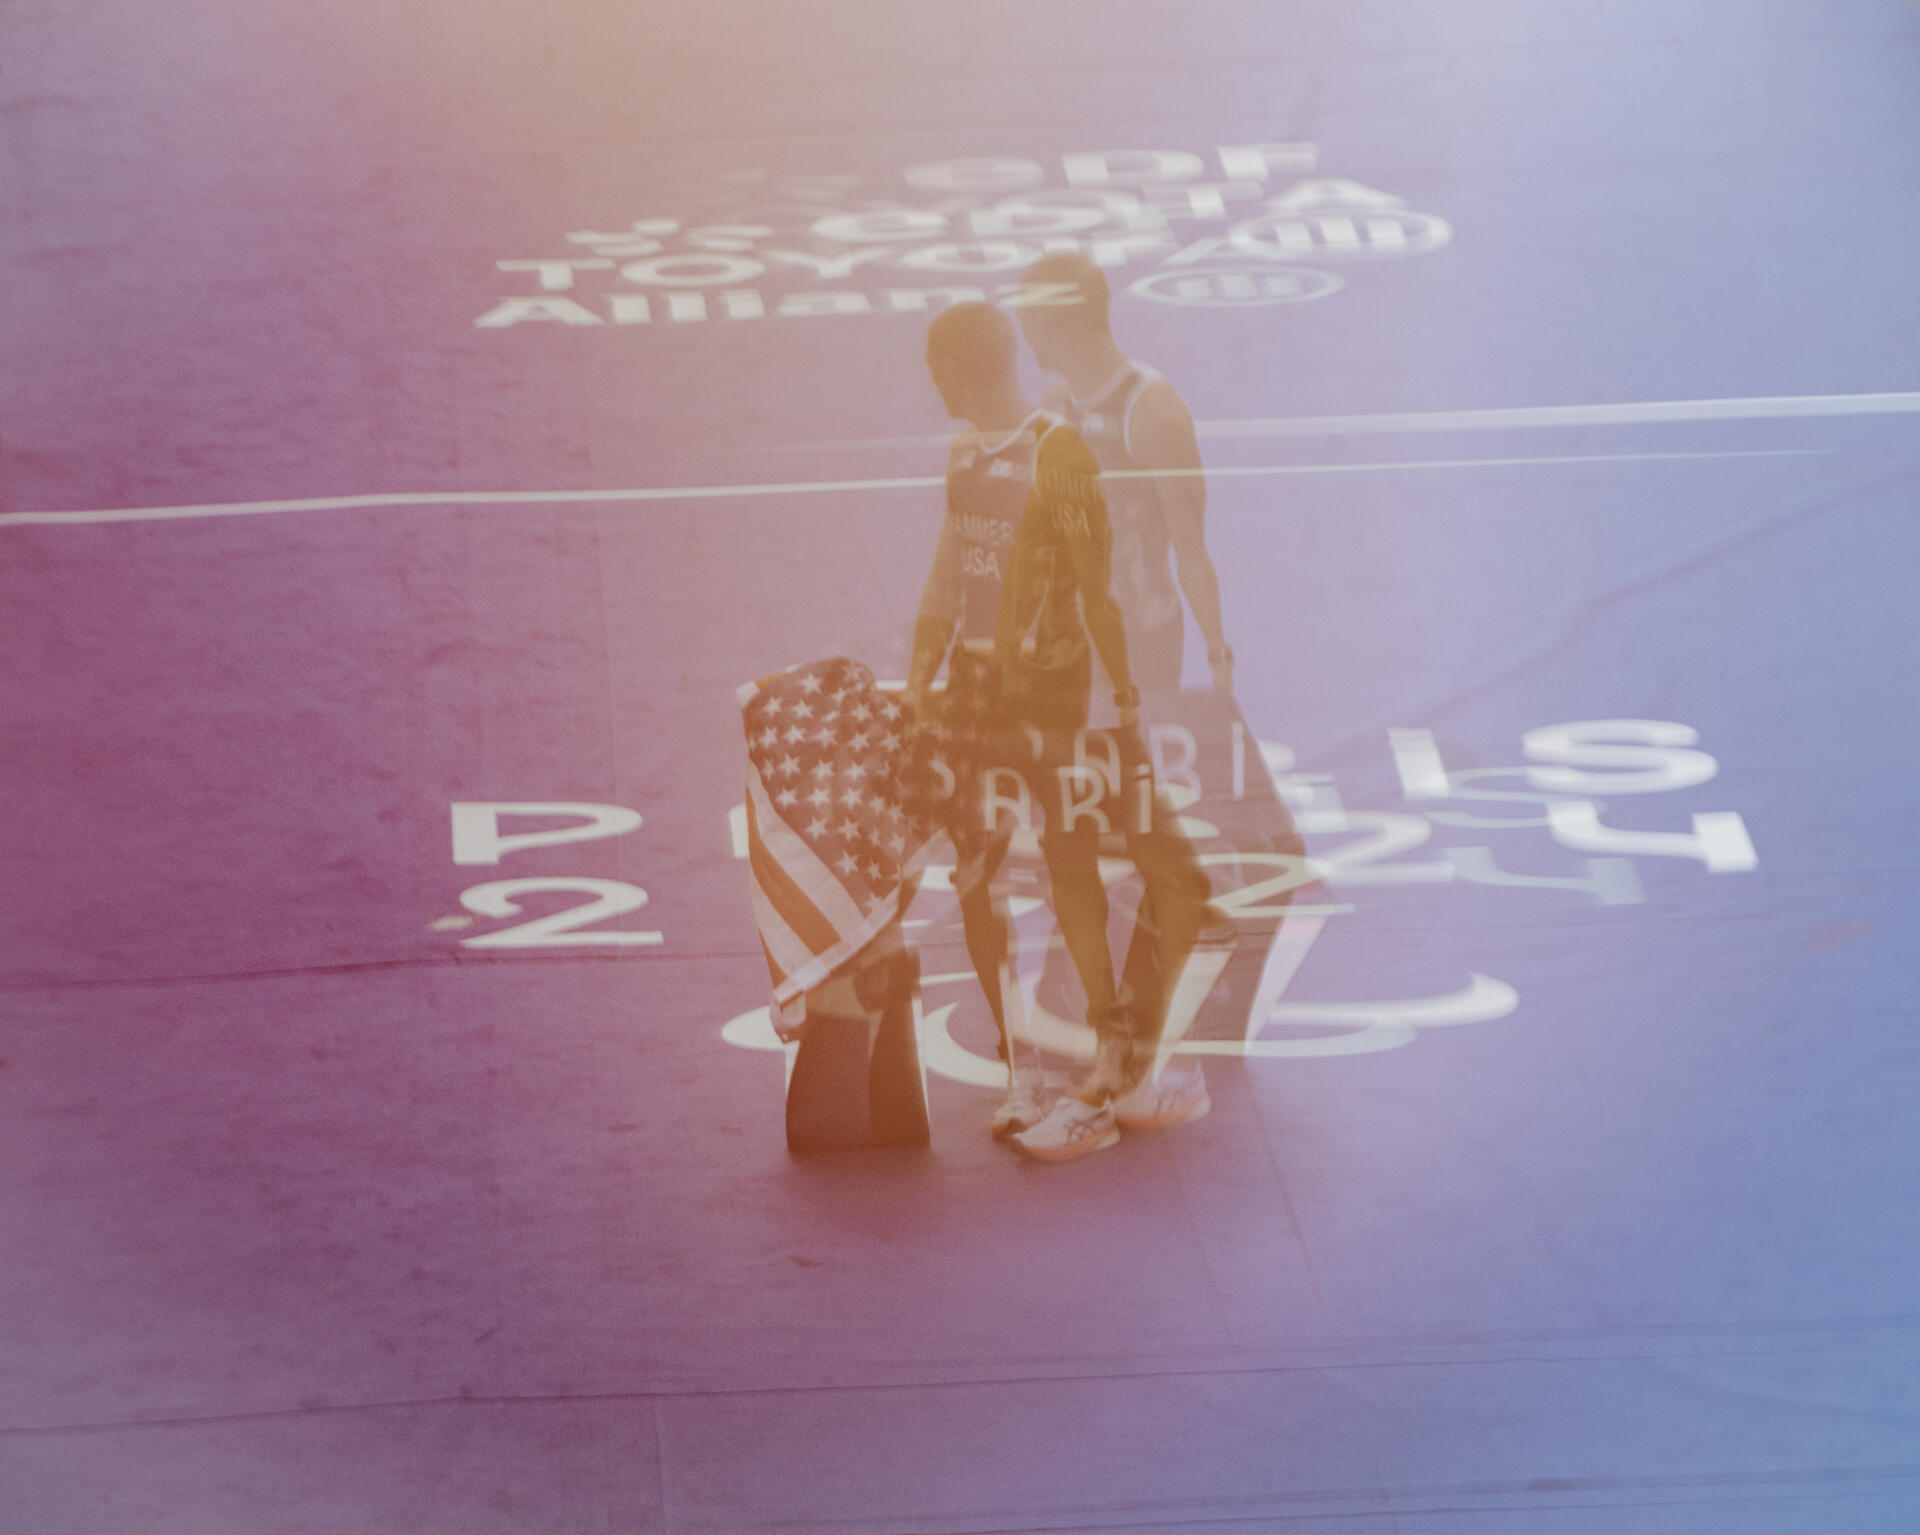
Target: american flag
[(834, 825)]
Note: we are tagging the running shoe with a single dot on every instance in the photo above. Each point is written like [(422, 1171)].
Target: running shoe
[(1023, 1107), (1161, 1102), (1072, 1129)]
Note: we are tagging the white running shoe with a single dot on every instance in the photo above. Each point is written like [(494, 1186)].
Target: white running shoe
[(1023, 1107), (1160, 1103), (1071, 1129)]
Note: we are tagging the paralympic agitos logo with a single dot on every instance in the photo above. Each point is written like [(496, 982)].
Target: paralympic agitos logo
[(1255, 224)]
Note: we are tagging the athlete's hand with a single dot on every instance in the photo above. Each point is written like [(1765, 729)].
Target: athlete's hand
[(1221, 660), (920, 721)]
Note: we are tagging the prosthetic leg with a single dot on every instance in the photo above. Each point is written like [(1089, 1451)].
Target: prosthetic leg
[(857, 1078)]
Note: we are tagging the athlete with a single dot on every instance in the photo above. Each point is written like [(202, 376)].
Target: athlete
[(1018, 601), (1142, 433), (1140, 430)]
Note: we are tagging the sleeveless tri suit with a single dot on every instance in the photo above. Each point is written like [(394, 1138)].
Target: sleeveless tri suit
[(1025, 529)]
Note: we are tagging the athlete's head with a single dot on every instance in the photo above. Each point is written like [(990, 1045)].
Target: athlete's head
[(971, 355), (1064, 316)]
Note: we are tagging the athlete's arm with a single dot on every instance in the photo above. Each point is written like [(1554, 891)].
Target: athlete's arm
[(1162, 438), (939, 611)]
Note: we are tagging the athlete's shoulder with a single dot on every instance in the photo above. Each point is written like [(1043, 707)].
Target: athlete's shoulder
[(1155, 398), (1159, 427)]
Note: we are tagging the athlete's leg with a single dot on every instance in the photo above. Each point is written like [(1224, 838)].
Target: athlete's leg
[(1154, 658), (1171, 915), (1140, 973), (978, 849), (1050, 721), (1080, 910), (1071, 846), (985, 925)]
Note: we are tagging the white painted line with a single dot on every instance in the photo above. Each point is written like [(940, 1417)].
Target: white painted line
[(806, 487), (1218, 472), (1640, 413), (460, 498), (1760, 408)]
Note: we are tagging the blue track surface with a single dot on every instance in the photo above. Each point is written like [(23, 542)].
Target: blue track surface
[(1580, 386)]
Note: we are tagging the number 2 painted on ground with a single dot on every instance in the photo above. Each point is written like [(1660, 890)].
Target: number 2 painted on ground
[(501, 898), (1244, 902), (1362, 862)]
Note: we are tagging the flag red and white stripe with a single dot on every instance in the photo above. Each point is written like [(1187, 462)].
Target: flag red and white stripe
[(833, 827)]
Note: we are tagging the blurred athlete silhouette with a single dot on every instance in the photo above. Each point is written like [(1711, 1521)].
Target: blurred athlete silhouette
[(1017, 603)]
